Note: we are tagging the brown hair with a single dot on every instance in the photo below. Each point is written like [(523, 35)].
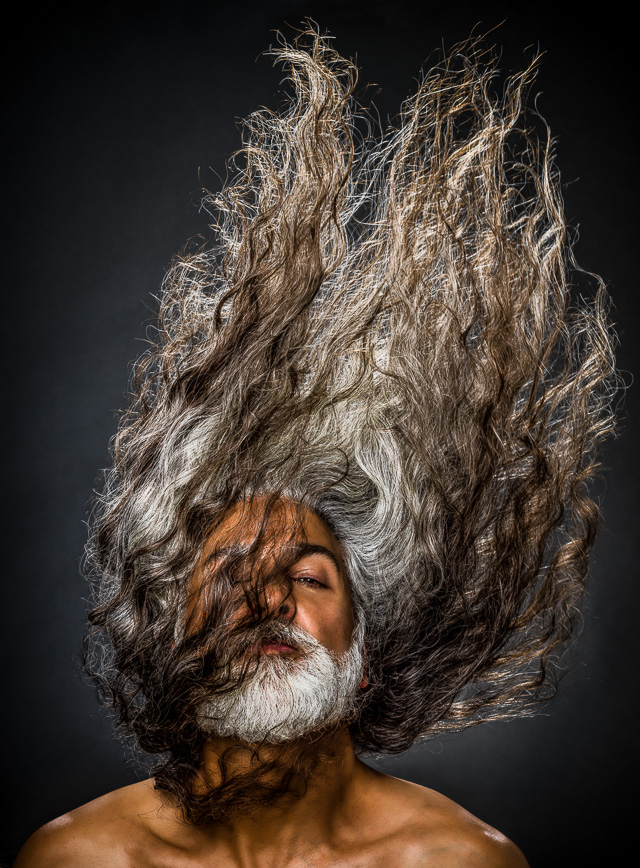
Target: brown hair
[(381, 329)]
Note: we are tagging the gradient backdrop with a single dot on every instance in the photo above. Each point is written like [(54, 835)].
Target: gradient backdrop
[(112, 112)]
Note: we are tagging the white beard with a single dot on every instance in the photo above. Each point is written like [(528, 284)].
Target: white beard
[(287, 698)]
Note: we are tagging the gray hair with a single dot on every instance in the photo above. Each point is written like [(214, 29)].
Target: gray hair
[(381, 330)]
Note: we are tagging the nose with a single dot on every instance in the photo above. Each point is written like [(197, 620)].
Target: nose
[(279, 601)]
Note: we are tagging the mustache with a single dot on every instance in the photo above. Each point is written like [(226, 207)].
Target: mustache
[(278, 631), (228, 650)]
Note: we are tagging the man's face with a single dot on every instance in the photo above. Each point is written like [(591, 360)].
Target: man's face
[(320, 601), (310, 663)]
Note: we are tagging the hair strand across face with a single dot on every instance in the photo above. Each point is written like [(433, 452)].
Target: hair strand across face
[(382, 330)]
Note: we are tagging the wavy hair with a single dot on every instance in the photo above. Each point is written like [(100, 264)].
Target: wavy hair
[(381, 329)]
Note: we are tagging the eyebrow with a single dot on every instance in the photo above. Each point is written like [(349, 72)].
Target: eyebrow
[(301, 550), (304, 549)]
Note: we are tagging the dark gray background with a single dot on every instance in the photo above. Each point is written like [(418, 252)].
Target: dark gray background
[(110, 114)]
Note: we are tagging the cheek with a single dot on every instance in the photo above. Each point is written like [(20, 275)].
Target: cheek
[(330, 622)]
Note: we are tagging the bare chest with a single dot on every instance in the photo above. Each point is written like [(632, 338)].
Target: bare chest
[(389, 853)]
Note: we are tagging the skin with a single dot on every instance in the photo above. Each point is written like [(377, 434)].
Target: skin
[(351, 816)]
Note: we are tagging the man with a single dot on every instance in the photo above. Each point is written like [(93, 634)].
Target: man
[(347, 508), (349, 815)]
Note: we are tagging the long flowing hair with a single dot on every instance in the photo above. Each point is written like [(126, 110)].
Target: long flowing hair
[(380, 328)]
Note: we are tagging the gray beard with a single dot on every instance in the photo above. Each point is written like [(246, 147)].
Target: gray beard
[(286, 699)]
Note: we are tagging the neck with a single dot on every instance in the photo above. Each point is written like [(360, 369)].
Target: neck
[(306, 817)]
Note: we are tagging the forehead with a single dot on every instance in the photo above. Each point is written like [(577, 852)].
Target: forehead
[(275, 524)]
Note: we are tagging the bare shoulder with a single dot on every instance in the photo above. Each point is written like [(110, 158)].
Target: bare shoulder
[(104, 832), (434, 829), (470, 845)]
